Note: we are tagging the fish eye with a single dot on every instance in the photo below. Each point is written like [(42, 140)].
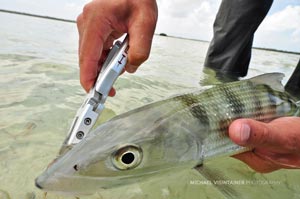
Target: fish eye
[(127, 157)]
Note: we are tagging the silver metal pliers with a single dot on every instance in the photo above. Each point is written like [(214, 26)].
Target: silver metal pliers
[(93, 104)]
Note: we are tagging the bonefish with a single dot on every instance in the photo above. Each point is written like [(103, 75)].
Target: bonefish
[(173, 134)]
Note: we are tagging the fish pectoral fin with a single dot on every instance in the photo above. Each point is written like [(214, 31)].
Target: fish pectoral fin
[(273, 80), (215, 177)]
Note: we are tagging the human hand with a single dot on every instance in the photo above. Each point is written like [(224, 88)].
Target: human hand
[(103, 21), (276, 144)]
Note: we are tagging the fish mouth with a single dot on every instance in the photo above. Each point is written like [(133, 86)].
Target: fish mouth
[(82, 185), (37, 184), (41, 180)]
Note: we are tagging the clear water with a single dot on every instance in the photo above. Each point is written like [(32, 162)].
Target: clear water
[(40, 93)]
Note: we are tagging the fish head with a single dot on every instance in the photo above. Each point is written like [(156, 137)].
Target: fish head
[(122, 151)]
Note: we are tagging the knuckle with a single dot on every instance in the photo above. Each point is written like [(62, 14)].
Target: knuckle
[(259, 135), (138, 58), (149, 19), (264, 136), (79, 21), (87, 9), (153, 18), (152, 13)]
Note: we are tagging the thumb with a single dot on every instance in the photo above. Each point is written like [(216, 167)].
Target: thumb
[(252, 133), (280, 135)]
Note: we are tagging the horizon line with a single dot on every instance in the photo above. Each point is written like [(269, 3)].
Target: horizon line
[(158, 34)]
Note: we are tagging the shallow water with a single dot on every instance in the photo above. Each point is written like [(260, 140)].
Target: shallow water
[(40, 93)]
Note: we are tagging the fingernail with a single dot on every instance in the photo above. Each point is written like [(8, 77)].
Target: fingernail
[(131, 68), (244, 133)]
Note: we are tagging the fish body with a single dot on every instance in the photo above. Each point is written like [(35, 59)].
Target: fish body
[(177, 133)]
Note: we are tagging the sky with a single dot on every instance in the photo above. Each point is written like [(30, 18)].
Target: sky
[(188, 18)]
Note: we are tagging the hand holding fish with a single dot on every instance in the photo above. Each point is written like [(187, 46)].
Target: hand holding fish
[(101, 22), (276, 144)]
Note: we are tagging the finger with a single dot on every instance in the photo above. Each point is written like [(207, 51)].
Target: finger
[(110, 40), (112, 92), (80, 28), (107, 47), (141, 32), (256, 163), (94, 35), (247, 132), (90, 51), (291, 161)]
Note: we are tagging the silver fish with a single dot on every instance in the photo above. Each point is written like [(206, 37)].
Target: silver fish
[(167, 136)]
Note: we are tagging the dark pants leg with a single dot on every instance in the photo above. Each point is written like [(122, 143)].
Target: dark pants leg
[(229, 52)]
